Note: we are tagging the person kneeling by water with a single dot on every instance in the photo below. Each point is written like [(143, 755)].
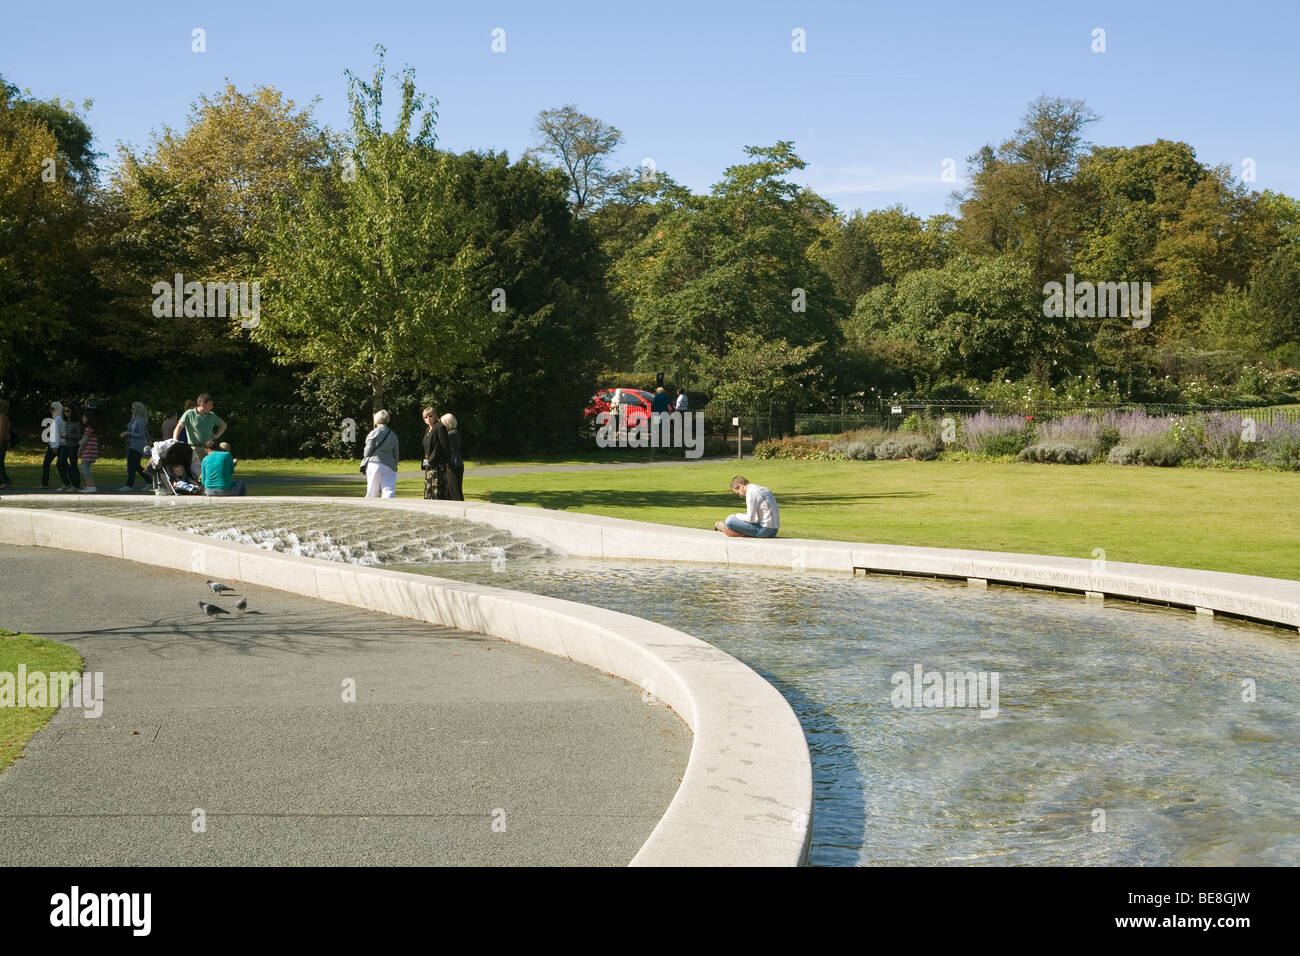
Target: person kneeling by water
[(218, 466), (761, 519)]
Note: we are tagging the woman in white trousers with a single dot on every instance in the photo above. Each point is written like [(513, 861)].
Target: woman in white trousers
[(381, 459)]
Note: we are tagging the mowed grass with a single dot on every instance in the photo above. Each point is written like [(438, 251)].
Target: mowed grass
[(1239, 521), (19, 724)]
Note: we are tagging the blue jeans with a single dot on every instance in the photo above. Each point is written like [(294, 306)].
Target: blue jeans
[(748, 528), (235, 490)]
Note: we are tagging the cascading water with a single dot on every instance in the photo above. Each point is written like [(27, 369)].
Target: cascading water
[(349, 534)]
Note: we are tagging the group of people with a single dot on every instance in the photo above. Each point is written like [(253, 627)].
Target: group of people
[(72, 445), (443, 464)]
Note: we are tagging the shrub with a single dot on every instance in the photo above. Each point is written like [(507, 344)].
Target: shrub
[(1131, 426), (920, 447), (860, 444), (1071, 429), (994, 434), (796, 449), (914, 424), (1215, 436), (868, 436), (1161, 450), (1124, 455), (1281, 445), (1061, 452)]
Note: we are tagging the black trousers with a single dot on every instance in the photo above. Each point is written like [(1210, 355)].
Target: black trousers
[(68, 470), (4, 450), (452, 479), (50, 455)]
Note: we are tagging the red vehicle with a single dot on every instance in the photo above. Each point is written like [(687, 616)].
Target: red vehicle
[(634, 405)]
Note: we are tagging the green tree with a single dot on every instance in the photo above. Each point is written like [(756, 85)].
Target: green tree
[(528, 382), (1275, 299), (367, 275), (755, 370), (1022, 200), (45, 276), (969, 319), (732, 262), (579, 145)]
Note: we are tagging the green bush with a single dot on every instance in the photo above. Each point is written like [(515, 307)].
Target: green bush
[(1061, 453), (915, 424), (1124, 455), (860, 445), (919, 447), (857, 451), (1160, 450), (1283, 451), (797, 448), (1003, 444)]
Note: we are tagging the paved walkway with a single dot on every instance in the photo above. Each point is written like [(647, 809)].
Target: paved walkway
[(459, 749)]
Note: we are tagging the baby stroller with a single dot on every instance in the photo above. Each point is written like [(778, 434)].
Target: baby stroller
[(165, 457)]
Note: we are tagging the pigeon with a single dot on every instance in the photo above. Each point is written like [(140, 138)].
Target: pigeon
[(211, 610), (242, 604), (218, 587)]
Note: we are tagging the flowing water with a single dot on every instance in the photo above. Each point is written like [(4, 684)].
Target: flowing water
[(352, 534), (1114, 735)]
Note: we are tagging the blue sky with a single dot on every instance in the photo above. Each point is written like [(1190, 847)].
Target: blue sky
[(883, 94)]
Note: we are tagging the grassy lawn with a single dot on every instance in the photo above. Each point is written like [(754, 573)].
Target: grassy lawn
[(19, 724), (1242, 521), (24, 465)]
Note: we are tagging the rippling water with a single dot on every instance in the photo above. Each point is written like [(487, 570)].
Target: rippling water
[(1130, 710)]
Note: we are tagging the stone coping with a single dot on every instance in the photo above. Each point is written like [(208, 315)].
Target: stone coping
[(746, 796)]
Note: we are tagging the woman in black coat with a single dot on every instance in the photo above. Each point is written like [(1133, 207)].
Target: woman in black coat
[(437, 451), (454, 473)]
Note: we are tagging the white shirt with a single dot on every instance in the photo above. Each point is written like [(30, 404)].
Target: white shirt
[(681, 402), (761, 505), (57, 432)]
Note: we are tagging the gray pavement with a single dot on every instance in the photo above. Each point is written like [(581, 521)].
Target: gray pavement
[(459, 749)]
